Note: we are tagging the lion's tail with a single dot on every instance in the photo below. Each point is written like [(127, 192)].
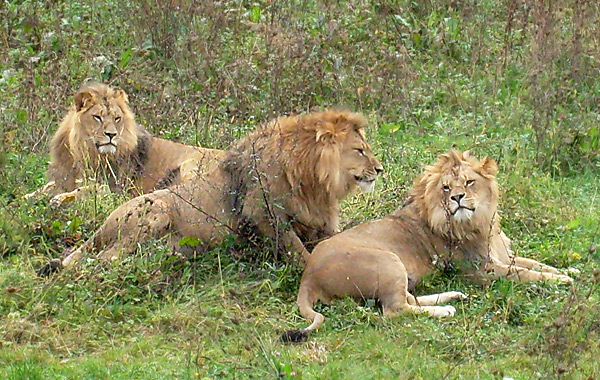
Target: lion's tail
[(305, 303)]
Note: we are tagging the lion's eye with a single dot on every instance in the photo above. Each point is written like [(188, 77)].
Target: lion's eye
[(470, 182), (446, 188), (117, 119), (98, 118), (360, 152)]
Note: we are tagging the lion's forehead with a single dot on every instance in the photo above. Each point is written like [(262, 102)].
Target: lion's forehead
[(114, 109), (106, 108), (459, 174)]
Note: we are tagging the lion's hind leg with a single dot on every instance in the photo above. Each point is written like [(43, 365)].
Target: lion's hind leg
[(395, 298), (410, 306), (147, 216)]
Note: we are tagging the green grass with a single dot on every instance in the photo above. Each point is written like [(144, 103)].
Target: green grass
[(429, 76)]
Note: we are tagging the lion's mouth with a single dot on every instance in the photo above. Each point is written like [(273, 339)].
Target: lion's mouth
[(108, 147), (462, 214), (365, 180), (463, 208)]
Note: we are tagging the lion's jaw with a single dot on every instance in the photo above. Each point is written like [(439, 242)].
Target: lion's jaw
[(458, 196), (366, 186), (107, 148)]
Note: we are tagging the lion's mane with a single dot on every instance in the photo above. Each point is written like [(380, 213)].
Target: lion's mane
[(295, 161)]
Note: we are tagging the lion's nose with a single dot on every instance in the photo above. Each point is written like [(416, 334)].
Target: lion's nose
[(110, 135), (457, 197), (379, 169)]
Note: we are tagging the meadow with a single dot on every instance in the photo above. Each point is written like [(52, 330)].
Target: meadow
[(516, 80)]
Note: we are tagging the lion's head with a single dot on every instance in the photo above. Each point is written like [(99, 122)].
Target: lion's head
[(458, 195), (305, 165), (99, 126), (328, 150), (104, 121)]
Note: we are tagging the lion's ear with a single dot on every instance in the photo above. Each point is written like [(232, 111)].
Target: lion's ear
[(83, 99), (122, 95), (489, 166)]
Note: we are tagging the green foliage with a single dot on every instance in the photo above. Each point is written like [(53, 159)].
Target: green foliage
[(515, 80)]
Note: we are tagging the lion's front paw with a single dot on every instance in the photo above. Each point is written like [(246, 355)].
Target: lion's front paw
[(441, 311), (30, 195), (563, 278), (457, 296)]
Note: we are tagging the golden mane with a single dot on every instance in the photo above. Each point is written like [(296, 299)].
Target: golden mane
[(302, 157), (313, 143)]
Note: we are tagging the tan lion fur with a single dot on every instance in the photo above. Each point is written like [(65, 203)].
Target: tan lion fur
[(450, 218), (284, 182), (132, 159)]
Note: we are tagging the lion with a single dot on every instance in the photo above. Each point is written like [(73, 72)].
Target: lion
[(100, 139), (284, 182), (450, 218)]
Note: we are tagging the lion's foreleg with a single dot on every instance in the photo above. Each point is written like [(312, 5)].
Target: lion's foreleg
[(532, 264), (517, 273), (294, 244), (47, 188), (78, 194), (289, 238)]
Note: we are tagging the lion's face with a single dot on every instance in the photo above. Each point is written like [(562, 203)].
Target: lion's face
[(103, 117), (359, 166), (104, 123), (458, 194)]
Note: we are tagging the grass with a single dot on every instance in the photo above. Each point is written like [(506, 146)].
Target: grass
[(429, 76)]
